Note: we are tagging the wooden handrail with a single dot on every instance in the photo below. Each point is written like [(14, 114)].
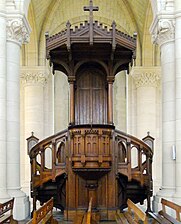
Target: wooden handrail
[(41, 172), (35, 150), (135, 141), (143, 168), (77, 139)]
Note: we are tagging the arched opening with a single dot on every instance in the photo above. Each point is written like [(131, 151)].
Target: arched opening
[(60, 154), (122, 153)]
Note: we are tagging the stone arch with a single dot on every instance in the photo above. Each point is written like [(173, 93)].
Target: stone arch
[(29, 52), (157, 5), (149, 51)]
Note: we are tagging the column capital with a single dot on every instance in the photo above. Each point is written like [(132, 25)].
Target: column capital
[(71, 79), (146, 76), (110, 79), (18, 29), (37, 75), (163, 28)]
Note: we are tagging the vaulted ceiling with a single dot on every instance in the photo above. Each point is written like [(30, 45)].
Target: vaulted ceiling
[(52, 15), (136, 10)]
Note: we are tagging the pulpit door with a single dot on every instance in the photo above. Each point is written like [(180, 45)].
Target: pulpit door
[(91, 98)]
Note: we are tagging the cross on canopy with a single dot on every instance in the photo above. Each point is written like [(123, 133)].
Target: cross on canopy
[(91, 8)]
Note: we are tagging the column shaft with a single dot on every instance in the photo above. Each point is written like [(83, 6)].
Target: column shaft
[(168, 116), (178, 97), (33, 121), (3, 193), (147, 81), (13, 131), (72, 103), (110, 102)]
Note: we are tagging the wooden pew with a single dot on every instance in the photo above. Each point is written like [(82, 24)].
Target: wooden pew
[(88, 217), (6, 212), (84, 218), (44, 214), (132, 216), (163, 216)]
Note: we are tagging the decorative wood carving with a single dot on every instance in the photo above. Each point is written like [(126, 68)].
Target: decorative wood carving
[(91, 8), (91, 153)]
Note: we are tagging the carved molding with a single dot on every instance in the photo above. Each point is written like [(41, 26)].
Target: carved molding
[(10, 4), (34, 75), (146, 76), (163, 29), (169, 5), (18, 29)]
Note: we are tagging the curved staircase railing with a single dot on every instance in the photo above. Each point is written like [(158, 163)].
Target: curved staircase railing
[(90, 148), (53, 149), (139, 167)]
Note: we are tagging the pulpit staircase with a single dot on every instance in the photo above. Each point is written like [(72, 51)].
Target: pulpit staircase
[(71, 151), (91, 159)]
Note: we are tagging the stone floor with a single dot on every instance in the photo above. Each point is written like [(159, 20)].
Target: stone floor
[(58, 215)]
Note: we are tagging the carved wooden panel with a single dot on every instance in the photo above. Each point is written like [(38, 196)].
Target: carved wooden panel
[(91, 98)]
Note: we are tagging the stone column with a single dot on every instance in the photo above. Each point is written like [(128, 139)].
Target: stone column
[(3, 192), (178, 98), (17, 33), (163, 33), (147, 82), (33, 80)]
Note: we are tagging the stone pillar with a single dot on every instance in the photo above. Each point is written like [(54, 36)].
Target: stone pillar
[(17, 32), (163, 33), (177, 196), (3, 174), (33, 80), (147, 82)]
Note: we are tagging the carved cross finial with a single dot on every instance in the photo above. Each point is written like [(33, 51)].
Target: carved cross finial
[(91, 8)]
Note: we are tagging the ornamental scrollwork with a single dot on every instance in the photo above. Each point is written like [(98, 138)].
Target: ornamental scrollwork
[(163, 31), (34, 76), (17, 30), (146, 77)]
